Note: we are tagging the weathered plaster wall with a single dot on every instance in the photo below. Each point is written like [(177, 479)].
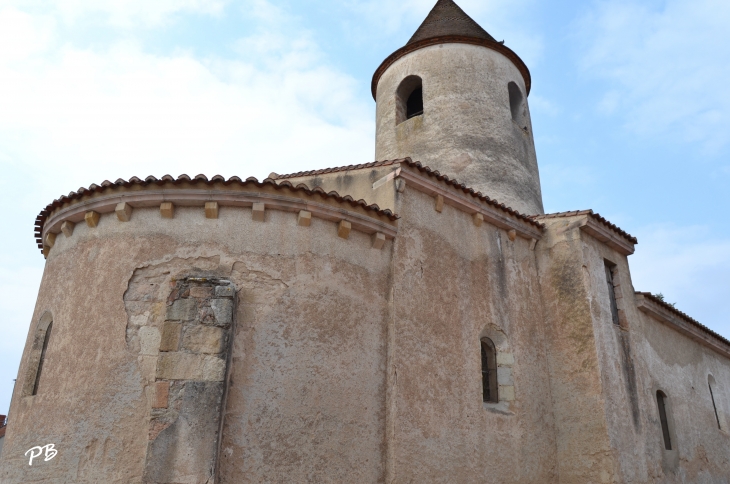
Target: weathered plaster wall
[(604, 376), (308, 371), (584, 451), (466, 131), (358, 184), (454, 283)]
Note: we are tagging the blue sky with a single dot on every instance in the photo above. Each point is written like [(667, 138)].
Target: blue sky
[(629, 109)]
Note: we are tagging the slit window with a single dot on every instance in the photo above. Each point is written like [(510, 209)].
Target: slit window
[(46, 338), (610, 276), (489, 371), (661, 400), (409, 99), (719, 416)]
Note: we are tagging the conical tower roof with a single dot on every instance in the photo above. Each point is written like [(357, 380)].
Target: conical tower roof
[(447, 18), (448, 23)]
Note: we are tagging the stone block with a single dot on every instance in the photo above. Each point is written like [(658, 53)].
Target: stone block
[(504, 375), (343, 229), (211, 209), (162, 394), (67, 228), (512, 235), (149, 340), (201, 291), (204, 339), (170, 336), (182, 310), (507, 393), (188, 366), (304, 219), (224, 291), (167, 210), (378, 240), (223, 311), (478, 219), (439, 205), (50, 239), (123, 211), (259, 212), (92, 218), (505, 359)]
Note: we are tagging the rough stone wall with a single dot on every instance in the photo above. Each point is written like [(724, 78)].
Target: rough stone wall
[(584, 450), (455, 283), (186, 351), (307, 372), (466, 130), (604, 376)]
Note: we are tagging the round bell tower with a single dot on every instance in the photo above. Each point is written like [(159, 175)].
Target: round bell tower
[(455, 99)]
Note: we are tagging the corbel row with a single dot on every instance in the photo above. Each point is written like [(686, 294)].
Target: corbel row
[(123, 211)]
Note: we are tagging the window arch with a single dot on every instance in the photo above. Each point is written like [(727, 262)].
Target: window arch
[(517, 105), (661, 399), (490, 388), (714, 394), (37, 355), (409, 99)]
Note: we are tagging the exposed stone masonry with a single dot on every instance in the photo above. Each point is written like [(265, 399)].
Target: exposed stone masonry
[(185, 341)]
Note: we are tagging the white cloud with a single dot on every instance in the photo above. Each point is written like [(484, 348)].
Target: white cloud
[(665, 66), (119, 13), (689, 266), (72, 116)]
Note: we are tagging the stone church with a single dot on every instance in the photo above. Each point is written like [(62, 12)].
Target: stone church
[(418, 319)]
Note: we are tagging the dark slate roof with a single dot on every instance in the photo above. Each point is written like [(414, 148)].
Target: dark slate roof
[(447, 18)]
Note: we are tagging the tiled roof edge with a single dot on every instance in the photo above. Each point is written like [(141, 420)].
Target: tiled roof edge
[(594, 216), (684, 316), (423, 169), (167, 179)]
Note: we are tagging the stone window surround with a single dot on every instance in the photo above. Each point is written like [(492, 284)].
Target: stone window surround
[(34, 357)]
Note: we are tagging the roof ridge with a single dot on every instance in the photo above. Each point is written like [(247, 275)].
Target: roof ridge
[(425, 169), (683, 315), (595, 216)]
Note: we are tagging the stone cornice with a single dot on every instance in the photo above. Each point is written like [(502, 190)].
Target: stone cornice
[(600, 232), (148, 198), (451, 39), (682, 323), (469, 204)]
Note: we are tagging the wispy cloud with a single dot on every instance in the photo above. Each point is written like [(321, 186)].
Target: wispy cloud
[(689, 265), (664, 62)]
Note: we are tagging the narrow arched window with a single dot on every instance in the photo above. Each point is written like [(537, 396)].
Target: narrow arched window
[(719, 416), (46, 338), (489, 371), (517, 105), (661, 400), (409, 99), (37, 356)]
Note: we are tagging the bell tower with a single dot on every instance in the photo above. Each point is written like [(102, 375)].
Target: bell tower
[(455, 99)]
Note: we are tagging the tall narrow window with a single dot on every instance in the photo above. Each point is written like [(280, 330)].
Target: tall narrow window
[(516, 101), (661, 400), (409, 99), (610, 269), (43, 358), (719, 417), (489, 371), (37, 355)]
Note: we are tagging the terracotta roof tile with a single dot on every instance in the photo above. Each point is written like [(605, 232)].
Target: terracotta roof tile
[(423, 169), (684, 316), (593, 215), (167, 179)]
